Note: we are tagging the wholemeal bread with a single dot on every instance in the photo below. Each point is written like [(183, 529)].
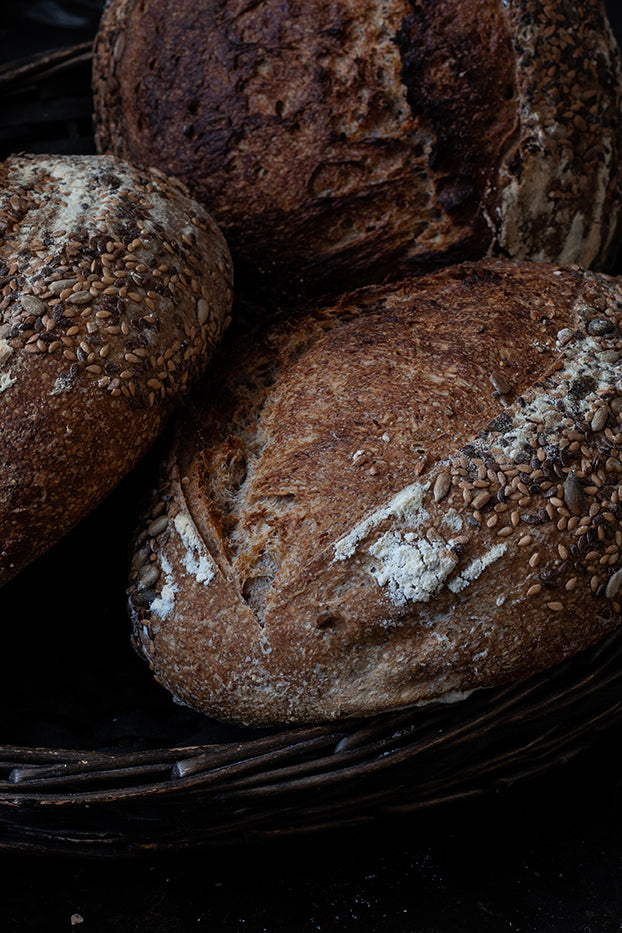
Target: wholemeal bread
[(348, 142), (114, 289), (403, 496)]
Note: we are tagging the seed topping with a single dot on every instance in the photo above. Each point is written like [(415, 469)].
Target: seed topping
[(74, 304)]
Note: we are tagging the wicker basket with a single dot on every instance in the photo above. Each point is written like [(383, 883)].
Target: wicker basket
[(100, 761)]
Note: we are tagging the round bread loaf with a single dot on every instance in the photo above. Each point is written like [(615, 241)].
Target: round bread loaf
[(404, 496), (115, 287), (343, 143)]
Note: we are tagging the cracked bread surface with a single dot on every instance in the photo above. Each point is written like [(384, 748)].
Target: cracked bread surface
[(400, 497), (354, 141)]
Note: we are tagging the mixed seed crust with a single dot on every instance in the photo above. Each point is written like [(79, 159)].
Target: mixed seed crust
[(404, 496), (115, 287), (356, 141)]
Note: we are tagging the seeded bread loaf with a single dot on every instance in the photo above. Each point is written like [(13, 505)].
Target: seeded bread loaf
[(114, 290), (405, 496), (353, 141)]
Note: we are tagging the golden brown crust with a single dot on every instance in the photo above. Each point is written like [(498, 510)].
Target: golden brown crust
[(103, 326), (351, 142), (411, 493)]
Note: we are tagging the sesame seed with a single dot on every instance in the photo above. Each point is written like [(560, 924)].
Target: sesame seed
[(441, 486)]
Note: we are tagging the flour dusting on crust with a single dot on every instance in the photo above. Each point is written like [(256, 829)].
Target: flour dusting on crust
[(406, 504), (197, 560)]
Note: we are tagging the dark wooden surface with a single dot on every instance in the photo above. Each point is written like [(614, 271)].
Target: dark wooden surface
[(545, 856)]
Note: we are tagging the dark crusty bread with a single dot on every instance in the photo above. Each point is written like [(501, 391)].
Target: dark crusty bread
[(346, 142), (404, 496), (115, 287)]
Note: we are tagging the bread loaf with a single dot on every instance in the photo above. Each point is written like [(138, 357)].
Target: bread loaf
[(404, 496), (114, 289), (343, 143)]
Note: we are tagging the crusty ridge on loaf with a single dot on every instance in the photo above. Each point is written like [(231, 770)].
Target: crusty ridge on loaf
[(356, 140), (115, 287), (409, 494)]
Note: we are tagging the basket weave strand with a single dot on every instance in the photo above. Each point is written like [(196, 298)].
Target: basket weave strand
[(302, 779)]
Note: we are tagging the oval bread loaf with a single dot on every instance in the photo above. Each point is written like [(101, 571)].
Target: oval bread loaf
[(404, 496), (115, 287), (348, 142)]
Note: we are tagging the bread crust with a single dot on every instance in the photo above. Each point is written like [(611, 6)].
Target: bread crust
[(103, 327), (404, 496), (352, 142)]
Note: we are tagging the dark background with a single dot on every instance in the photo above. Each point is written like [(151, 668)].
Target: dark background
[(545, 856)]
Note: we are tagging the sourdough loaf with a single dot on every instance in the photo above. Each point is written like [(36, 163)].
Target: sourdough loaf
[(403, 496), (115, 287), (347, 142)]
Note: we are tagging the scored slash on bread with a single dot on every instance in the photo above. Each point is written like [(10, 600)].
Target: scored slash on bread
[(400, 497)]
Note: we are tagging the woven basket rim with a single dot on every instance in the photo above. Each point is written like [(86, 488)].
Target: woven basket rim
[(385, 739)]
